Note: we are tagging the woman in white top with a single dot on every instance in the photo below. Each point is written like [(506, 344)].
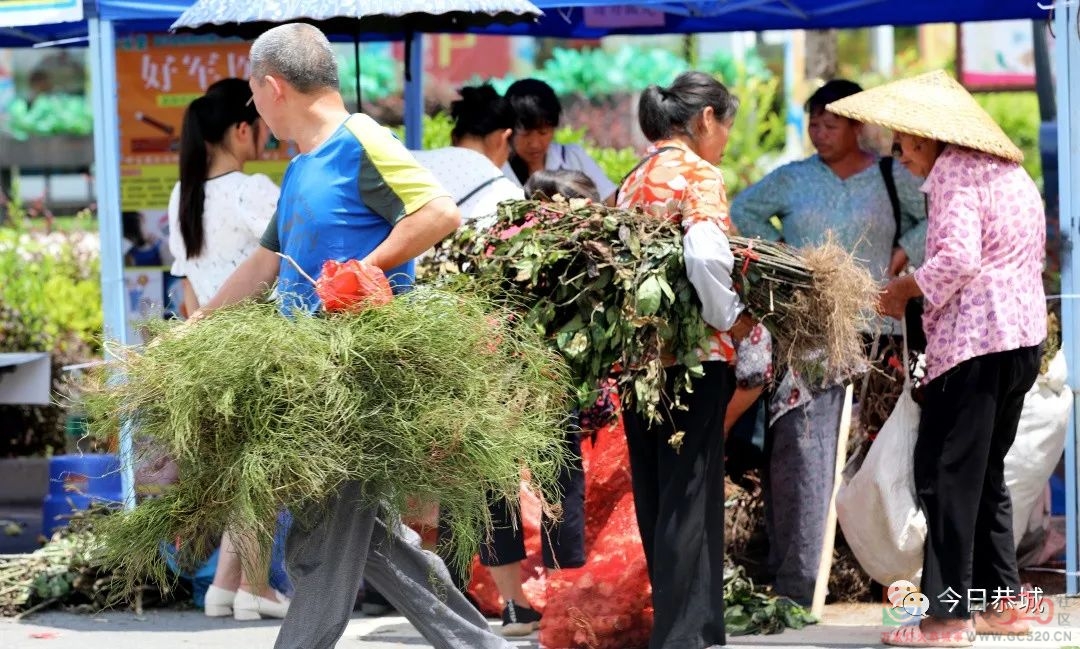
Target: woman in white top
[(216, 215), (538, 111), (217, 212), (470, 169)]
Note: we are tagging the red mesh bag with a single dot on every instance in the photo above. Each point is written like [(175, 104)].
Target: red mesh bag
[(352, 285), (606, 604)]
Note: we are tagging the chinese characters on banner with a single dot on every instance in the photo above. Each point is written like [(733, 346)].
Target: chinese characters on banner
[(158, 75)]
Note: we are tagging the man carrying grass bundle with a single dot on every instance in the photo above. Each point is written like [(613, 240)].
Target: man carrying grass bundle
[(353, 192)]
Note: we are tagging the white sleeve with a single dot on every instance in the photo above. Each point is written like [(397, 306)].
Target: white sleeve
[(581, 161), (258, 203), (176, 238), (709, 264)]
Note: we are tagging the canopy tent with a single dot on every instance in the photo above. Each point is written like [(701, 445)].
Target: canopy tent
[(589, 19), (594, 19), (128, 16)]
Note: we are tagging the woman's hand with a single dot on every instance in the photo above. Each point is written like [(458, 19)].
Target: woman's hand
[(899, 261), (895, 297)]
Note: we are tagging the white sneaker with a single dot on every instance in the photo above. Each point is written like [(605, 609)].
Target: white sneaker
[(218, 602), (249, 606)]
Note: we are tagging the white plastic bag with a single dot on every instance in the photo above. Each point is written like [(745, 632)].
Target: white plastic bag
[(877, 506), (1040, 440)]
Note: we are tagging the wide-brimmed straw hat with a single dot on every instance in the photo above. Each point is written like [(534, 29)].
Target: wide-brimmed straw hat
[(931, 105)]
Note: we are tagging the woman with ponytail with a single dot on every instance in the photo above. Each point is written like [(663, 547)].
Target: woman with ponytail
[(217, 212), (470, 169), (216, 215), (679, 492)]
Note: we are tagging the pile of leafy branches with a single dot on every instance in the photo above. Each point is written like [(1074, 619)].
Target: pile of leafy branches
[(608, 289), (68, 571), (751, 610)]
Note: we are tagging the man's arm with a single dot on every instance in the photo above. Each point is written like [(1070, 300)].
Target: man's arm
[(251, 279), (416, 233), (394, 185)]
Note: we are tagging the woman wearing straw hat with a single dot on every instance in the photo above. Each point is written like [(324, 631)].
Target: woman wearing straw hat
[(985, 321)]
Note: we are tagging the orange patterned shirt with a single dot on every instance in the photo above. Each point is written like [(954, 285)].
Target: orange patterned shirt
[(676, 183)]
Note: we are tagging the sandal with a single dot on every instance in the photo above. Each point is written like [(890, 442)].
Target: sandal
[(1001, 625), (913, 636)]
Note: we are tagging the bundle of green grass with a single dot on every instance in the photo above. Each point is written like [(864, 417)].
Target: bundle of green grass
[(435, 397)]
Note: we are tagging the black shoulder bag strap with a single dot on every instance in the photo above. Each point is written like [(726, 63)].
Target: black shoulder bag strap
[(461, 201), (886, 166), (914, 310), (639, 165)]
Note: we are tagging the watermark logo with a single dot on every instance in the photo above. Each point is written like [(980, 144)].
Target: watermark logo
[(905, 604)]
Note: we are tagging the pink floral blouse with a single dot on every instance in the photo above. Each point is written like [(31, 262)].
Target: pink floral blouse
[(985, 249)]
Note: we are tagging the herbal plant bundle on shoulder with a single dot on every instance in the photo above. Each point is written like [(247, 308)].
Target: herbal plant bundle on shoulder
[(607, 288), (435, 396)]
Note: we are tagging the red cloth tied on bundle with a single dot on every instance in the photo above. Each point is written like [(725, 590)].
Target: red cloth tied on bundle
[(352, 286)]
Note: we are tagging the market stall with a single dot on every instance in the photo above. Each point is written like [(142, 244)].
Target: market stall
[(597, 18)]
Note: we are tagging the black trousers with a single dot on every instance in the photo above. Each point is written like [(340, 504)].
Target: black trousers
[(679, 497), (562, 541), (968, 423)]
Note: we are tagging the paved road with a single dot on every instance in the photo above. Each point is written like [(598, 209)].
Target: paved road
[(844, 627), (173, 629)]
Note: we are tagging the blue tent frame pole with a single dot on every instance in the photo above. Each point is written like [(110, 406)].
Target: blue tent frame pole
[(107, 186), (414, 93), (1068, 129)]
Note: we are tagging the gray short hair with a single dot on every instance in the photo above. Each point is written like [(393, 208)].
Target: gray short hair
[(298, 53)]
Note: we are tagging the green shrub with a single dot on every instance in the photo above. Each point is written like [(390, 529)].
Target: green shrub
[(52, 282), (50, 301), (437, 129), (380, 77), (757, 134), (50, 115), (598, 72)]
